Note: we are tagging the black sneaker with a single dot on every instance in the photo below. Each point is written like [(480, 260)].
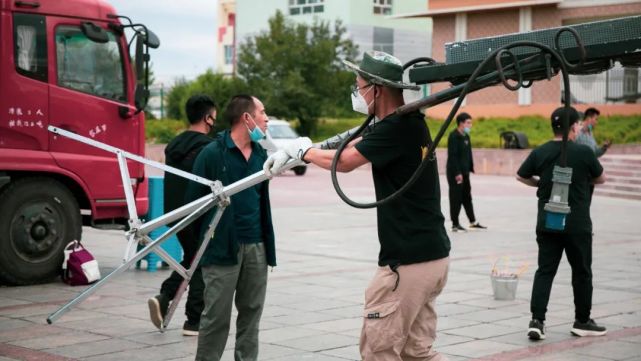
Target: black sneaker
[(536, 330), (477, 225), (191, 328), (158, 306), (589, 328), (458, 228)]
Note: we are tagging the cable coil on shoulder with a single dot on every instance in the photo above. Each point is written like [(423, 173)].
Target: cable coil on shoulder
[(496, 56)]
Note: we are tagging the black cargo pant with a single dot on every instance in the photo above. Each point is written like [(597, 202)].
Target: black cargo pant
[(460, 194), (578, 250), (194, 306)]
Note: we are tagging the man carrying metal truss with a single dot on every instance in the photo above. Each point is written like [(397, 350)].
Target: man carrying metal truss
[(399, 317)]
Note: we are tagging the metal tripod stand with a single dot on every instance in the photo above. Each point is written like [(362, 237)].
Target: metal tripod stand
[(138, 233)]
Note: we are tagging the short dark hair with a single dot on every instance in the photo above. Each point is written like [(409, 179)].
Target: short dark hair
[(462, 117), (590, 112), (198, 106), (556, 120), (237, 106)]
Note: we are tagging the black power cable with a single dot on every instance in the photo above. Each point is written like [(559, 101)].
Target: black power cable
[(496, 56)]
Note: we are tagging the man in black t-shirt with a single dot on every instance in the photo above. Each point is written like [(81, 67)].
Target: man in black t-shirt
[(460, 164), (399, 318), (181, 153), (576, 238)]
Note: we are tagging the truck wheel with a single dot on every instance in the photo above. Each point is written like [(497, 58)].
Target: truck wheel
[(38, 217), (300, 170)]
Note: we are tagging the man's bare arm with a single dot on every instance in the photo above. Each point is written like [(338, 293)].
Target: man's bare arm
[(600, 179), (532, 181), (350, 158)]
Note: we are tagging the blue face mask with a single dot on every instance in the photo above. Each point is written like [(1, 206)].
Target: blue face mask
[(467, 130), (590, 127), (256, 134)]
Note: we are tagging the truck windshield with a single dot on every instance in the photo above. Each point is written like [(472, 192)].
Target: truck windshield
[(89, 67)]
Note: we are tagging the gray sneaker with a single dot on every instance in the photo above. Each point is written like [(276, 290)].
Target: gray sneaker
[(589, 328), (158, 306)]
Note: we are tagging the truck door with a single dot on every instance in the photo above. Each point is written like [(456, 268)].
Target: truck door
[(89, 86)]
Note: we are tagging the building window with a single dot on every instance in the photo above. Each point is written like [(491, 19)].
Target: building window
[(297, 7), (229, 54), (384, 39), (383, 7)]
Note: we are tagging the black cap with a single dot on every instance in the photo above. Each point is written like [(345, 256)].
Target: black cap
[(557, 117)]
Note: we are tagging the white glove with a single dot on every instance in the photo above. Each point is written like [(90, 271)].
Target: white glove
[(274, 162), (297, 148)]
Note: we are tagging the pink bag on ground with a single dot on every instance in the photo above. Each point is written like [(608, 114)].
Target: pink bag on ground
[(79, 266)]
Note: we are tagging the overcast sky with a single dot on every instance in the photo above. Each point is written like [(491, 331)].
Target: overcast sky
[(187, 32)]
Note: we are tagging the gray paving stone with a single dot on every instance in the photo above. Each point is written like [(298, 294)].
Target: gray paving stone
[(613, 350), (488, 316), (165, 352), (277, 335), (59, 339), (93, 348), (8, 324), (348, 353), (450, 322), (315, 296), (319, 343), (477, 348), (565, 356), (338, 325), (445, 339), (483, 331)]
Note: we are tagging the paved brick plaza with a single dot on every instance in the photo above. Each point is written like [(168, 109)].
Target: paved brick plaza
[(326, 254)]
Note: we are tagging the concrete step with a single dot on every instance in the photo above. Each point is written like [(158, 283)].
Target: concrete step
[(633, 196), (622, 180), (627, 173), (620, 187)]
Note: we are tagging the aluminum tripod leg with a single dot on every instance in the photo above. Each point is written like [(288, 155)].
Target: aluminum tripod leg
[(194, 264), (138, 256)]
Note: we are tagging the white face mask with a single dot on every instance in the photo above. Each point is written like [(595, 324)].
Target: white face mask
[(358, 102)]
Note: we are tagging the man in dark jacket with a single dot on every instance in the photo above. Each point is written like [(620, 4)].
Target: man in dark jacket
[(234, 264), (181, 153), (459, 165)]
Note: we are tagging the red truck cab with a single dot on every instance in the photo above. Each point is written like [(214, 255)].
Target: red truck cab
[(52, 72)]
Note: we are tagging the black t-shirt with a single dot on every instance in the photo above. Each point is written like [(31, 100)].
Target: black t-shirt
[(459, 154), (585, 167), (410, 228)]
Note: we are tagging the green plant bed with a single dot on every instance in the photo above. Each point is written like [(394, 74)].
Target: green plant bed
[(485, 131), (162, 131)]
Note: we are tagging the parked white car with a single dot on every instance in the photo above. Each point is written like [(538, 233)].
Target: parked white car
[(280, 134)]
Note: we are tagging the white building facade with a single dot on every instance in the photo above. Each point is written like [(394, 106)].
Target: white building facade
[(367, 22)]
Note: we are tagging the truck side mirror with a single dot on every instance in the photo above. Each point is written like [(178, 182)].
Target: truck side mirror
[(151, 39), (94, 32)]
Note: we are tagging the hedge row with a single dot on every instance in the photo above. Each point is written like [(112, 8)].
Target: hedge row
[(485, 131)]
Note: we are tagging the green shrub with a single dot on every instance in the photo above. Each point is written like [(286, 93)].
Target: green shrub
[(485, 131), (161, 131), (329, 127)]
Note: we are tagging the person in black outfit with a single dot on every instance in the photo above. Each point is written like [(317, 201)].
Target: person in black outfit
[(459, 165), (181, 153), (575, 238)]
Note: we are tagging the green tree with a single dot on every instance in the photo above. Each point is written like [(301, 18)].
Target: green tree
[(218, 86), (296, 70), (176, 98)]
